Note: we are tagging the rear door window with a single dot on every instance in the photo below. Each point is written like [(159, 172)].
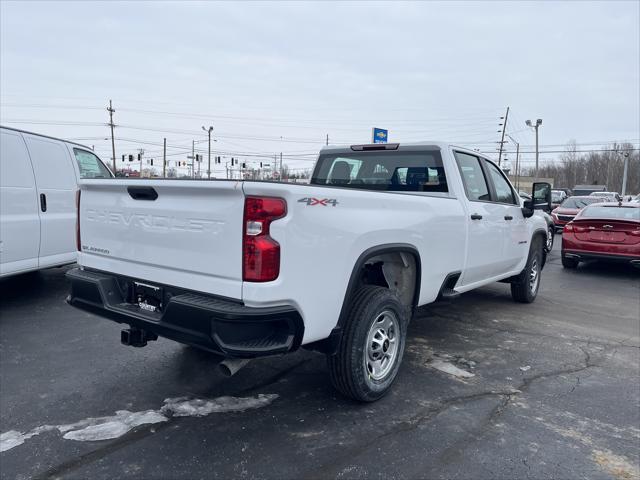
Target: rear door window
[(473, 178), (90, 165)]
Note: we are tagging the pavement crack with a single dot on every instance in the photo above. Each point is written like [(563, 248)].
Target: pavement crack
[(589, 341), (425, 415)]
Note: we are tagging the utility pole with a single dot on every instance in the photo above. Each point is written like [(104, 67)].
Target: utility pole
[(624, 174), (536, 126), (327, 139), (141, 153), (518, 166), (504, 129), (193, 159), (209, 130), (164, 159), (280, 166), (517, 174), (113, 143)]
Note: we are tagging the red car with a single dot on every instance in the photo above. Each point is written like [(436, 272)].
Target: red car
[(569, 208), (603, 231)]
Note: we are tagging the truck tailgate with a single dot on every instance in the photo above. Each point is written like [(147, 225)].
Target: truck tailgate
[(189, 235)]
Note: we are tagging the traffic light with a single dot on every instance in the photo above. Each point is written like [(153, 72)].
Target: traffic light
[(131, 158), (152, 161), (123, 157), (218, 159), (260, 164), (232, 160), (139, 156), (244, 165)]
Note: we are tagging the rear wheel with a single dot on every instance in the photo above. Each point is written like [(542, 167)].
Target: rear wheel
[(372, 345), (525, 287), (568, 262)]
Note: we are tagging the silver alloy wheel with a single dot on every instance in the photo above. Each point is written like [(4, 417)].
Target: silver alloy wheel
[(534, 276), (382, 345), (550, 234)]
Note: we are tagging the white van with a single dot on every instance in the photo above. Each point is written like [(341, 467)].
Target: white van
[(38, 184)]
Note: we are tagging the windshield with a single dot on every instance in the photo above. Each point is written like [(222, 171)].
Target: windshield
[(384, 170), (578, 202), (612, 213), (556, 197)]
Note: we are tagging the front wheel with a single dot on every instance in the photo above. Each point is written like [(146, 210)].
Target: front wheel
[(551, 233), (372, 345), (524, 288)]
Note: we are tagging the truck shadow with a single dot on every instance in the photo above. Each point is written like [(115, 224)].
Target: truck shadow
[(605, 269), (24, 287)]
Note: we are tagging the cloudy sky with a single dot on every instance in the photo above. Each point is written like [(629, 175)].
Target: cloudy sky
[(279, 77)]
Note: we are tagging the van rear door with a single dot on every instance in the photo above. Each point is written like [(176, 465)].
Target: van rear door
[(19, 218)]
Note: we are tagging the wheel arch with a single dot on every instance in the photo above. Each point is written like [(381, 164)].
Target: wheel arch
[(541, 233), (330, 344)]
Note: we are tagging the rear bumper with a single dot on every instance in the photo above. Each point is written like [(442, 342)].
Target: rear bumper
[(220, 325), (609, 257)]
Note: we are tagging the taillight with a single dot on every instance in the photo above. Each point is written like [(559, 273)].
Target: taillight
[(568, 228), (78, 220), (260, 252)]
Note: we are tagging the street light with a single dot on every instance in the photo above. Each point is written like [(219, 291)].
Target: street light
[(625, 171), (209, 130), (536, 126)]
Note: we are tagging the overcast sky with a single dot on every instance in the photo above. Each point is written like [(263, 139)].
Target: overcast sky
[(261, 71)]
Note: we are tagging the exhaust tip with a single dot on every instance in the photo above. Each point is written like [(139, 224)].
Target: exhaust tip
[(230, 367)]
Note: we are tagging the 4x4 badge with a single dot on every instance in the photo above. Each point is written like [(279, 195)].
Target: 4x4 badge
[(310, 201)]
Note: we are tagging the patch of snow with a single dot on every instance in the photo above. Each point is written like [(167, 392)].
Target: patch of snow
[(526, 368), (106, 428), (185, 407), (11, 439), (114, 426), (449, 368)]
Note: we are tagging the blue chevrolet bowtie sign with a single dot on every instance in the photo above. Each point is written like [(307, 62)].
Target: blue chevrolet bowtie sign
[(380, 135)]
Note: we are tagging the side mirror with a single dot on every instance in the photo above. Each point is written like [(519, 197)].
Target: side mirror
[(527, 208), (541, 196)]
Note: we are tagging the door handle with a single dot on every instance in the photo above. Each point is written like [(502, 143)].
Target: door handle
[(475, 216), (43, 202), (142, 193), (508, 217)]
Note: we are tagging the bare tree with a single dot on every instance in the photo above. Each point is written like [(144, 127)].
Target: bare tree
[(594, 168)]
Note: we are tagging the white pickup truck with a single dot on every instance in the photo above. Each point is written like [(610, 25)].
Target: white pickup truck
[(247, 269)]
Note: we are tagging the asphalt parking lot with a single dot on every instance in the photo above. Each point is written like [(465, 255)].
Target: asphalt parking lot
[(555, 392)]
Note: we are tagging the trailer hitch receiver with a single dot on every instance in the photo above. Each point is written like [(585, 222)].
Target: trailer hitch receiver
[(135, 337)]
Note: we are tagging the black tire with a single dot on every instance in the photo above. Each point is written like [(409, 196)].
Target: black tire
[(350, 368), (551, 234), (524, 288), (569, 262)]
